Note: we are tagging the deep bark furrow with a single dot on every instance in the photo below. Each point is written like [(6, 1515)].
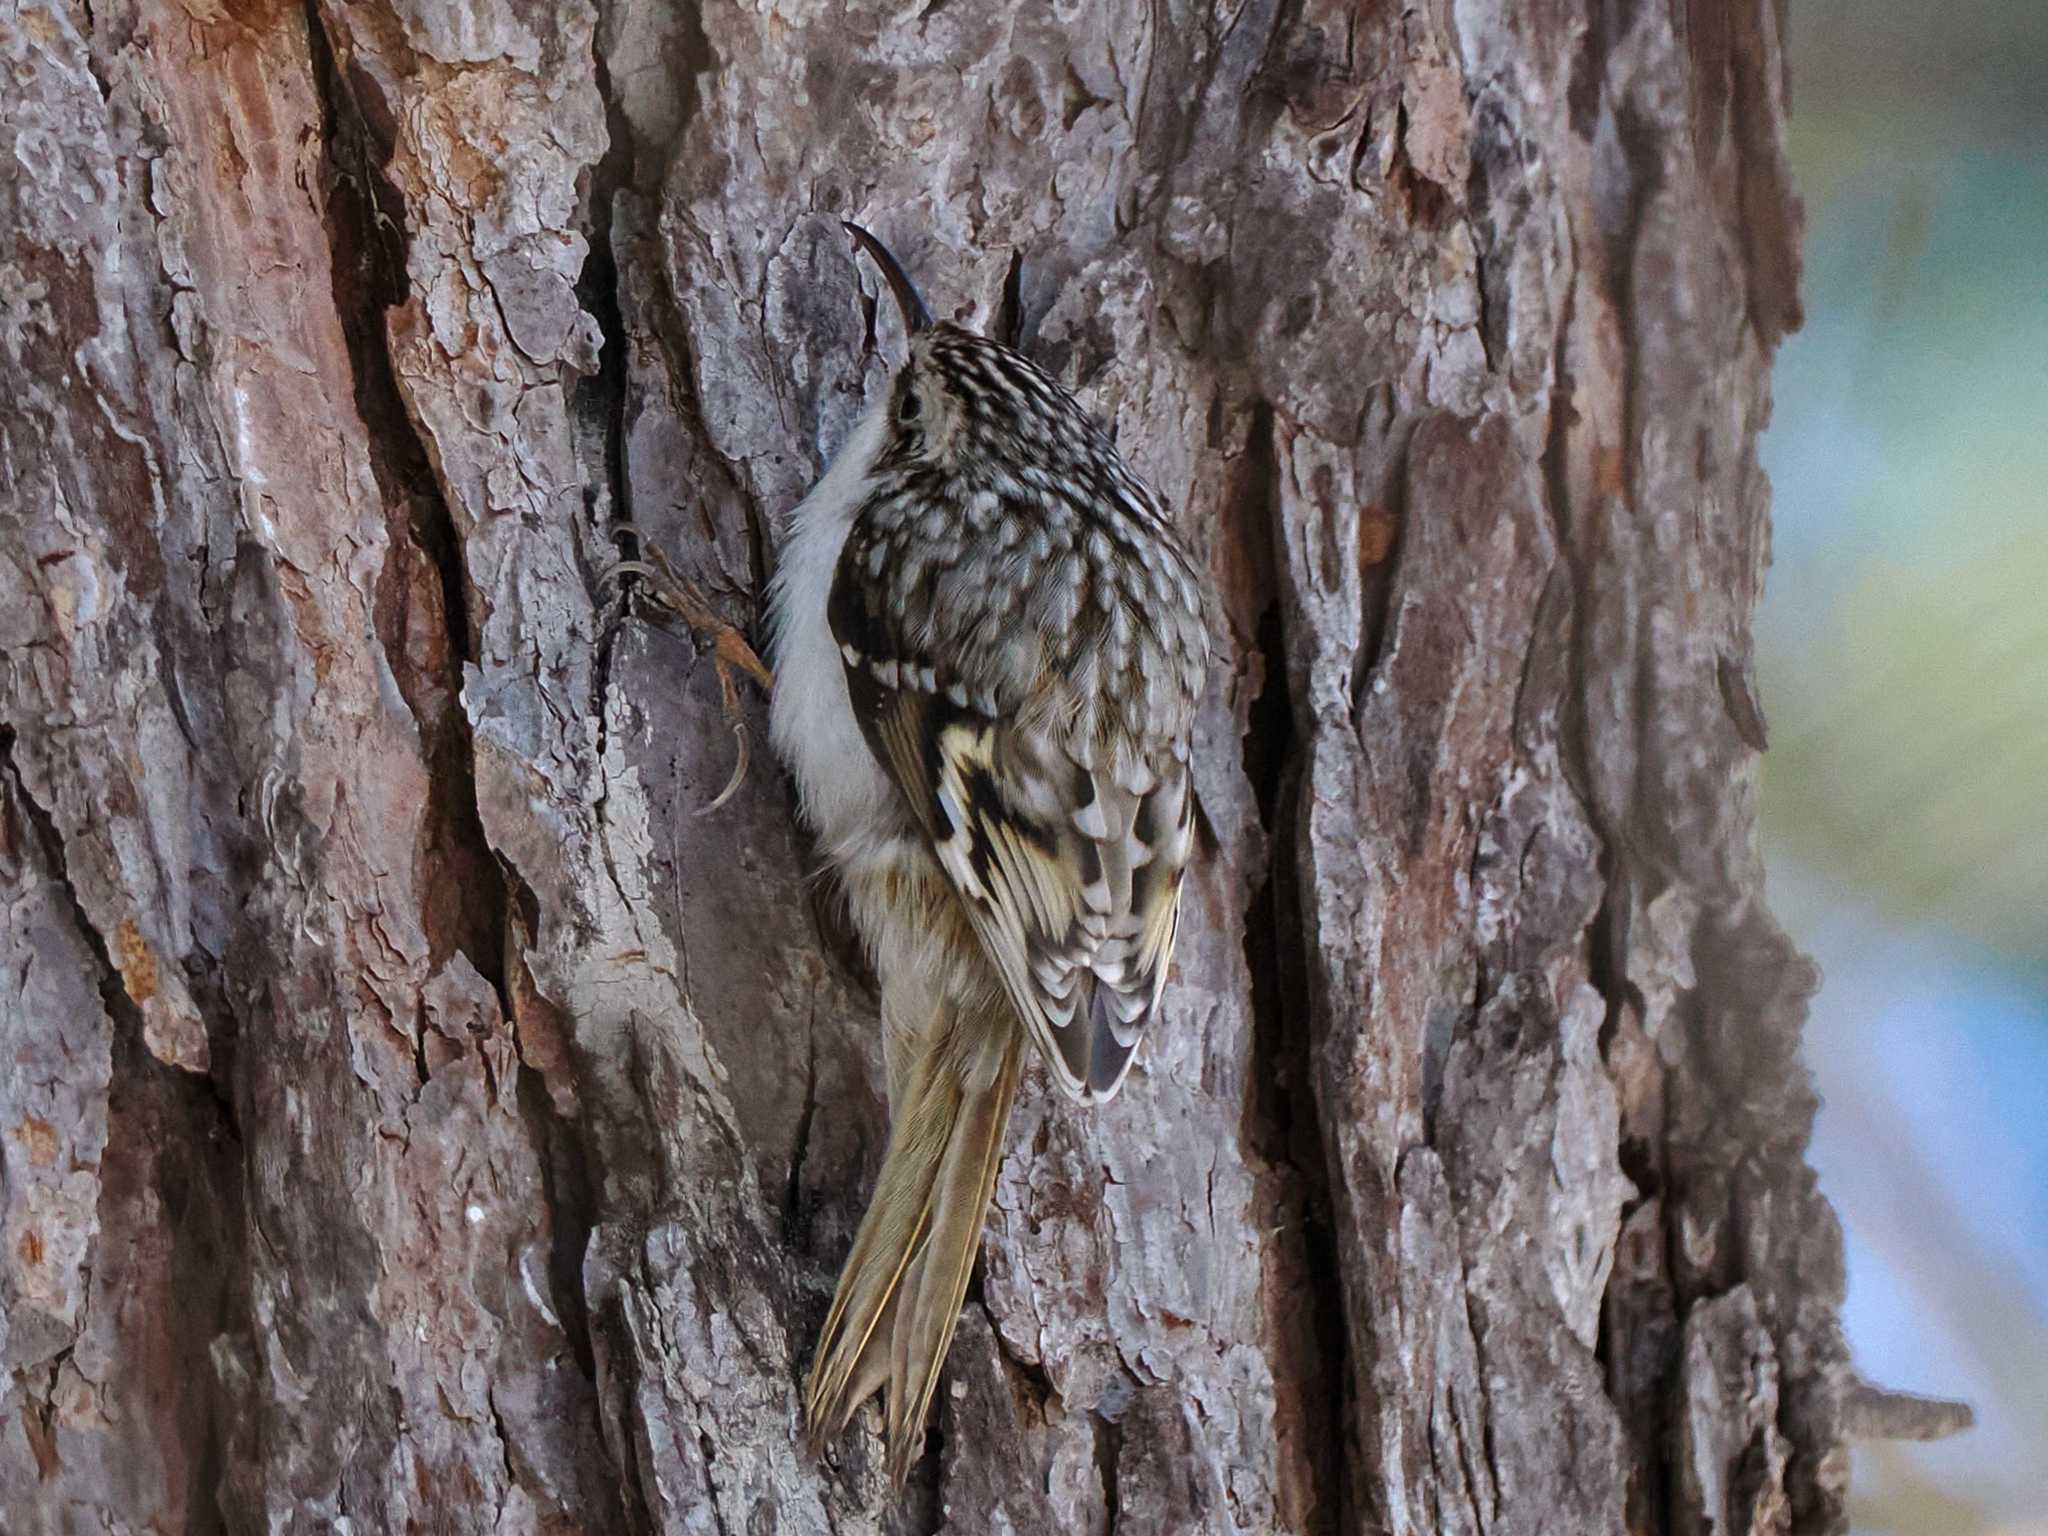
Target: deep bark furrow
[(41, 852)]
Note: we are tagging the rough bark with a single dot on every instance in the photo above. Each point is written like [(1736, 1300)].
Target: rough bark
[(415, 1114)]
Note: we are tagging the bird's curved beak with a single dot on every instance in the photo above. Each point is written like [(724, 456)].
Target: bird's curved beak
[(915, 316)]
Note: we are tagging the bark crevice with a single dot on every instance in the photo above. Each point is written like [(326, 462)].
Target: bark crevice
[(466, 901)]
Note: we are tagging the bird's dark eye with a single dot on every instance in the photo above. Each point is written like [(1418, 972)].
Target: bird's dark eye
[(910, 407)]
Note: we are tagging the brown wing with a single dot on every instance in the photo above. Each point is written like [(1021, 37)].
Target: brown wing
[(1072, 879)]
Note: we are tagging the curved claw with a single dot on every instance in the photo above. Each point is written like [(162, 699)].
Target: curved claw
[(618, 570), (729, 648), (739, 771)]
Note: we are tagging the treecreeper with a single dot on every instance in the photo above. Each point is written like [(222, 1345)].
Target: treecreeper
[(989, 643)]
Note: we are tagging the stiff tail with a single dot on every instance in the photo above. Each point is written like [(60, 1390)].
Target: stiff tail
[(899, 1296)]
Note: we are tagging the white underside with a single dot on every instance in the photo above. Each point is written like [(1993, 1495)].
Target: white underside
[(847, 798), (852, 806)]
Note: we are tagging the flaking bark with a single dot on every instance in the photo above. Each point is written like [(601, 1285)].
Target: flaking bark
[(413, 1114)]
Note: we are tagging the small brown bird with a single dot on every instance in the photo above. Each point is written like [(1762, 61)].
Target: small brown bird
[(989, 644)]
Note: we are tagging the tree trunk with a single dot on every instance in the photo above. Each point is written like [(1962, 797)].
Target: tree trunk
[(421, 1110)]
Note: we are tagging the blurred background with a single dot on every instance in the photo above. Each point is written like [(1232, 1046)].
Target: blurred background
[(1903, 656)]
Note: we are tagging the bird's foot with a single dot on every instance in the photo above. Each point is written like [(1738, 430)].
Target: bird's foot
[(730, 652)]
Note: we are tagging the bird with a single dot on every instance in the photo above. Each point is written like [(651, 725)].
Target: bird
[(989, 644)]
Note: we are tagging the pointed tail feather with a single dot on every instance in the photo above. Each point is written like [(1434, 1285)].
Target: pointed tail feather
[(899, 1296)]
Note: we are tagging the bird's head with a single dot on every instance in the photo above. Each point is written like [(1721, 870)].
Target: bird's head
[(962, 399)]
